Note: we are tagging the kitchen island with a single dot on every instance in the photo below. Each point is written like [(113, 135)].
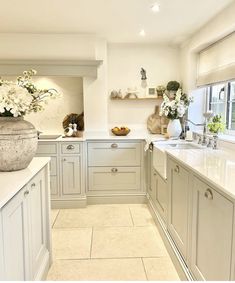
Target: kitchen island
[(25, 241)]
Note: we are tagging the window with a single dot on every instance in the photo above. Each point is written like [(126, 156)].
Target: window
[(221, 100)]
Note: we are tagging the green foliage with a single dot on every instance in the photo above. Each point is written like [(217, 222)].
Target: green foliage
[(216, 125), (173, 86)]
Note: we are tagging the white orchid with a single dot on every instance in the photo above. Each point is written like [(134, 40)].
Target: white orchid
[(22, 97)]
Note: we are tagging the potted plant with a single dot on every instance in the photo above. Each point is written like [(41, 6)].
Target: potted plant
[(174, 110), (18, 138)]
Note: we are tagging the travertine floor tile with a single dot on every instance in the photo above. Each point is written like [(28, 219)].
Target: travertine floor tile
[(127, 242), (160, 269), (102, 269), (94, 216), (71, 244), (141, 215), (54, 213)]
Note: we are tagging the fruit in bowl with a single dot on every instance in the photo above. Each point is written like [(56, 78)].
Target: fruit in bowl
[(122, 131)]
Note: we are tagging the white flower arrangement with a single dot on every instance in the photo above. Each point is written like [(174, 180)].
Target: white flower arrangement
[(175, 109), (22, 96)]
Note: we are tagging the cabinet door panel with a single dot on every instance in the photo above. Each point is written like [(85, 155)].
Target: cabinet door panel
[(71, 176), (211, 233), (16, 238), (178, 206), (119, 179), (37, 221), (161, 196), (114, 154)]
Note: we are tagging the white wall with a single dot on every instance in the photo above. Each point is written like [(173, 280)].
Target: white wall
[(71, 101), (124, 64), (219, 27)]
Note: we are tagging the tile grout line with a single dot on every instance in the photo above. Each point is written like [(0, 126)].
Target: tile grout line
[(55, 219), (131, 216), (144, 269), (91, 240), (108, 258)]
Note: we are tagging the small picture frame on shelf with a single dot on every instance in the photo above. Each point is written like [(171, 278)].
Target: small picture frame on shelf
[(151, 92)]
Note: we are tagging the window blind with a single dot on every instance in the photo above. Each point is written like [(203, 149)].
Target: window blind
[(217, 62)]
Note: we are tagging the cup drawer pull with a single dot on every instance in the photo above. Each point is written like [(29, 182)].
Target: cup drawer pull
[(177, 169), (114, 145), (208, 194), (114, 170), (70, 147)]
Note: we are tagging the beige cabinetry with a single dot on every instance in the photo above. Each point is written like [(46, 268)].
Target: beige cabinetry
[(178, 208), (25, 232), (212, 233), (67, 172), (114, 167)]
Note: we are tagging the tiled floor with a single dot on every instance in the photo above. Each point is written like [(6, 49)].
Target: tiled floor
[(108, 242)]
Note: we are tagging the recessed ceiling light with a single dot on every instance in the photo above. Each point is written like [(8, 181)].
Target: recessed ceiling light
[(155, 7), (142, 33)]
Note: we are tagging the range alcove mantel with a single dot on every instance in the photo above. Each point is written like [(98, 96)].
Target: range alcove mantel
[(71, 68)]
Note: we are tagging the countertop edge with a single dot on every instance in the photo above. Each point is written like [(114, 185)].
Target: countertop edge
[(9, 190)]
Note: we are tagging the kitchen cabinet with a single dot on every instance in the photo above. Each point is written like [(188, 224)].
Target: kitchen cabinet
[(15, 226), (26, 232), (212, 233), (159, 194), (71, 176), (37, 223), (115, 168), (178, 186), (67, 172)]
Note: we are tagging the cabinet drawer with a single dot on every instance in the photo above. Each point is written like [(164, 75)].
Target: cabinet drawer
[(47, 148), (114, 154), (114, 179), (70, 148)]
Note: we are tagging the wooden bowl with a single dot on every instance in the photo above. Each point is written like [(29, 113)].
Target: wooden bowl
[(120, 132)]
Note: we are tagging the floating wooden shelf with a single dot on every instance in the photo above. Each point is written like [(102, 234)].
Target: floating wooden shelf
[(140, 98)]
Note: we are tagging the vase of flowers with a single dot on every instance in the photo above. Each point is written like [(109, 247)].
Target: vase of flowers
[(174, 110), (18, 138)]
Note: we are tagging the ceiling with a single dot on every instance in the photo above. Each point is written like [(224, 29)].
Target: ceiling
[(115, 20)]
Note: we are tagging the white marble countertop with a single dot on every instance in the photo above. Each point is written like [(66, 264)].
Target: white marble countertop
[(215, 166), (12, 182), (106, 135)]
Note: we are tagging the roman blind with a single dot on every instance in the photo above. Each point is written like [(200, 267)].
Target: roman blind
[(217, 62)]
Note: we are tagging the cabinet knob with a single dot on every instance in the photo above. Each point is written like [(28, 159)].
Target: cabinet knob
[(114, 145), (208, 194), (177, 169), (64, 159), (26, 193), (33, 185), (114, 170), (70, 147)]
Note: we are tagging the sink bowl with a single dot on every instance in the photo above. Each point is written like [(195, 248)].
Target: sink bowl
[(48, 137), (159, 153), (184, 146)]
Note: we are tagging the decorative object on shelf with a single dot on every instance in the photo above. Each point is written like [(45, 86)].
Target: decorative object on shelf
[(160, 90), (152, 92), (18, 138), (143, 74), (131, 93), (116, 94), (155, 122), (122, 131), (174, 110), (171, 88), (73, 125)]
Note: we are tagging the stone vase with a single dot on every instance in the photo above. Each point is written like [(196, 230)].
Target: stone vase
[(18, 143), (174, 128)]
